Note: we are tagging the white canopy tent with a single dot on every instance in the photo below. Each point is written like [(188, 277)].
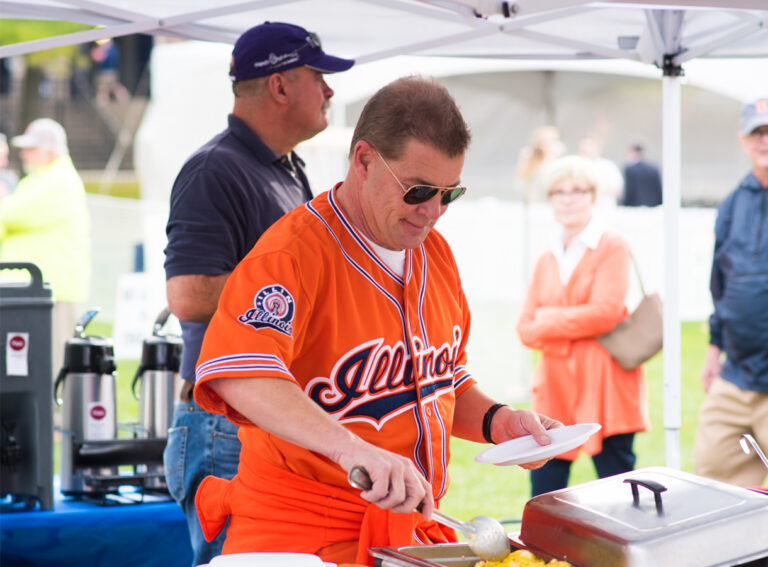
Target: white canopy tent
[(663, 34)]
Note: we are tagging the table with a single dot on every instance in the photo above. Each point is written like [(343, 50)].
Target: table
[(89, 534)]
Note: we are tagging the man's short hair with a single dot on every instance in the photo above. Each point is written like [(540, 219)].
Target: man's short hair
[(412, 108), (249, 87)]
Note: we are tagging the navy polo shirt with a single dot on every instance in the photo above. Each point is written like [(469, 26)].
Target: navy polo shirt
[(225, 196)]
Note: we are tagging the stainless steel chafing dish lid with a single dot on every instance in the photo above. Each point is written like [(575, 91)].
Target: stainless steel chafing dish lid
[(649, 517)]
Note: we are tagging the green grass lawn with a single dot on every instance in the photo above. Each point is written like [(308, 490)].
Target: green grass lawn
[(124, 189), (502, 492)]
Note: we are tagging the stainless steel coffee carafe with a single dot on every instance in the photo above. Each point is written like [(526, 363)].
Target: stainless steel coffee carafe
[(88, 401), (160, 387), (160, 380)]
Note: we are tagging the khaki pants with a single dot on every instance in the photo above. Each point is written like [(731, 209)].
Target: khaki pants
[(726, 413)]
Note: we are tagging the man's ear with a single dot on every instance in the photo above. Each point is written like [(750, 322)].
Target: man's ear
[(51, 155), (363, 154), (276, 84)]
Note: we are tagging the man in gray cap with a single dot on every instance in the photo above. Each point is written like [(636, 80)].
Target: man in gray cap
[(46, 221), (737, 388), (225, 196)]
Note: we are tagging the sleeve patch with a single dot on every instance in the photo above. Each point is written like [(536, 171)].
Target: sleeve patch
[(273, 307)]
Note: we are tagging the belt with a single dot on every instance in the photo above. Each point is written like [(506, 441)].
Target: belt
[(185, 395)]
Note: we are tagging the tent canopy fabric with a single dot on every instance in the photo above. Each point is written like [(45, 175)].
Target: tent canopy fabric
[(661, 33)]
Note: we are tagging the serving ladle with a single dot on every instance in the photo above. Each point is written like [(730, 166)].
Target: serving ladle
[(486, 536)]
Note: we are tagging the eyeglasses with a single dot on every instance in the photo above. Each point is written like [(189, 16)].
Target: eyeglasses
[(417, 194), (577, 193), (758, 133)]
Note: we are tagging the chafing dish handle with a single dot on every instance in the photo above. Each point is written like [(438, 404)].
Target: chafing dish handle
[(655, 487)]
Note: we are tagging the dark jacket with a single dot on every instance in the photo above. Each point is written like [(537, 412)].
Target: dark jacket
[(642, 185), (739, 285)]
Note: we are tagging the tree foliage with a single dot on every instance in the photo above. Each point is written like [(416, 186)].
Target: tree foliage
[(18, 31)]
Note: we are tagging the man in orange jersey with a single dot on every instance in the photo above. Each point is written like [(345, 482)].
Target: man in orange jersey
[(340, 340)]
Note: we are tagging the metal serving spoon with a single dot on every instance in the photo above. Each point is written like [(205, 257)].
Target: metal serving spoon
[(747, 440), (485, 535)]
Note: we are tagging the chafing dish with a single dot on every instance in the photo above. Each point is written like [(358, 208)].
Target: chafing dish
[(653, 517)]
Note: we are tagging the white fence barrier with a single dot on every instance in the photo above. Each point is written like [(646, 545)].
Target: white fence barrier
[(496, 244)]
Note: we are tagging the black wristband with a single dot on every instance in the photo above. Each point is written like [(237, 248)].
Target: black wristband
[(488, 419)]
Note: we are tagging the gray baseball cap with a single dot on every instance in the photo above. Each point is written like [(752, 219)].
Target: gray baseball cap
[(753, 115), (43, 133)]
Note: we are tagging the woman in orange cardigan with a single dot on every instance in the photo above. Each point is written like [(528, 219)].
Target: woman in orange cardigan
[(577, 293)]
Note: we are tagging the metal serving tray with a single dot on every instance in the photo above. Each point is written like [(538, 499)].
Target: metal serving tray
[(648, 518), (438, 555), (444, 554)]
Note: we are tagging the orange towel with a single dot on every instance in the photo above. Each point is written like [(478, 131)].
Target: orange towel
[(272, 509)]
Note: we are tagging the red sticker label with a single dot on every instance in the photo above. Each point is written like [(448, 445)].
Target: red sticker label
[(17, 342), (98, 412)]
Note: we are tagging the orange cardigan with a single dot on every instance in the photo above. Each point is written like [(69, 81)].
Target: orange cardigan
[(577, 381)]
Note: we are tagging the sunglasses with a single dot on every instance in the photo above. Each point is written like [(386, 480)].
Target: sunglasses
[(417, 194), (313, 40)]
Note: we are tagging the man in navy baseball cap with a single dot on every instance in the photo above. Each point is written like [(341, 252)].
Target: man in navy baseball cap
[(225, 196), (273, 47)]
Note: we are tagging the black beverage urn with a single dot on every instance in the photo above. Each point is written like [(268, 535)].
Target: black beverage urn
[(26, 379)]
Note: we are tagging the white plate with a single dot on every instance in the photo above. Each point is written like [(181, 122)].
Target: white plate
[(267, 560), (524, 450)]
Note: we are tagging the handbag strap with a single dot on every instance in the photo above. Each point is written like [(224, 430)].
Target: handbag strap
[(637, 271)]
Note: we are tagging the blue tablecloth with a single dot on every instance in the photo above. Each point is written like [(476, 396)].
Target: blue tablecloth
[(88, 534)]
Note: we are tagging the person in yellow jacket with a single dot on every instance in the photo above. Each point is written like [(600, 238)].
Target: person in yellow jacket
[(45, 221)]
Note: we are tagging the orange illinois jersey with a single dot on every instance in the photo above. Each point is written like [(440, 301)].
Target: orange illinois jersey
[(383, 354)]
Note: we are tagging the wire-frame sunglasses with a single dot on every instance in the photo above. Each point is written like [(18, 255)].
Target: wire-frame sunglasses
[(417, 194)]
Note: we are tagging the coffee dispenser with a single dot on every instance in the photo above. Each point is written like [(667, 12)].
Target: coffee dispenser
[(89, 408), (26, 378), (160, 380), (160, 387)]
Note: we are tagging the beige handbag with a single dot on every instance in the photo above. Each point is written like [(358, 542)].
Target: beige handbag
[(639, 336)]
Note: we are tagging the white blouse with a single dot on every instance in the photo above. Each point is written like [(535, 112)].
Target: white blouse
[(568, 259)]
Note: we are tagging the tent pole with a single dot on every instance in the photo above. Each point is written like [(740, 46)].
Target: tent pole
[(671, 120)]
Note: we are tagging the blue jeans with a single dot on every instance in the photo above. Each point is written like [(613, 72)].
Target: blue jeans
[(199, 444), (616, 457)]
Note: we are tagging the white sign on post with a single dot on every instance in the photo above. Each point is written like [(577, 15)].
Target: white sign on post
[(140, 297)]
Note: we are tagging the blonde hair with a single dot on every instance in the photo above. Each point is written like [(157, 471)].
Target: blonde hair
[(575, 168), (538, 150)]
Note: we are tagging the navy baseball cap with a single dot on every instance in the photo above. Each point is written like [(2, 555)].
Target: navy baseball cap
[(272, 47), (754, 115)]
